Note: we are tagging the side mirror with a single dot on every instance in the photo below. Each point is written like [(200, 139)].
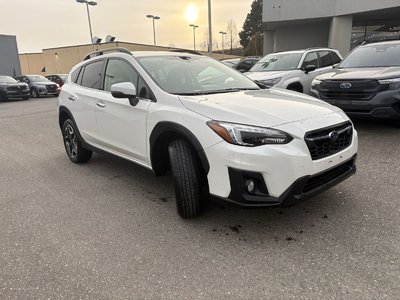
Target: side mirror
[(242, 70), (309, 68), (335, 65), (125, 90)]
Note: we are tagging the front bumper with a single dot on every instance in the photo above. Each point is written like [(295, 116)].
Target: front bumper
[(302, 189), (385, 105), (283, 173), (18, 94), (45, 92)]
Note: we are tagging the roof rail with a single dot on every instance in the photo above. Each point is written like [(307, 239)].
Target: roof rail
[(371, 41), (186, 51), (312, 48), (102, 51)]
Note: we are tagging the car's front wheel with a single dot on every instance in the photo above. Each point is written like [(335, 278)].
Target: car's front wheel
[(73, 144), (35, 93), (187, 176)]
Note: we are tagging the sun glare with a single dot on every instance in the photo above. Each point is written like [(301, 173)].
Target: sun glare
[(191, 13)]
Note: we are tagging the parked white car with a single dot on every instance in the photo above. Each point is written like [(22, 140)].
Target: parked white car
[(217, 131), (294, 70)]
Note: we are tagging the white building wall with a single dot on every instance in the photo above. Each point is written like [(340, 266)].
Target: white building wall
[(284, 10), (301, 36)]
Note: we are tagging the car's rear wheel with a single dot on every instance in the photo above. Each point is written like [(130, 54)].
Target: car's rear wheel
[(187, 176), (35, 93), (73, 145)]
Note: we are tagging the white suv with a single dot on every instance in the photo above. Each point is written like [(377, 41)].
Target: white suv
[(294, 70), (216, 131)]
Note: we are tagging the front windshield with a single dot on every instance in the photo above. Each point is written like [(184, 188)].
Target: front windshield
[(7, 79), (63, 77), (376, 55), (191, 75), (277, 62), (38, 78)]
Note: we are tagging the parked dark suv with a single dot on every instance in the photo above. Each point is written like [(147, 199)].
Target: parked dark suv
[(247, 63), (366, 83), (58, 78), (40, 85), (10, 89)]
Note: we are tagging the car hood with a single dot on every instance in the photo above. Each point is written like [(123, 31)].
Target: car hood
[(361, 73), (12, 84), (265, 108), (43, 83), (266, 75)]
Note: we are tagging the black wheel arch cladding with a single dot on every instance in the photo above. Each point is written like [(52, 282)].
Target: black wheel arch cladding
[(170, 128)]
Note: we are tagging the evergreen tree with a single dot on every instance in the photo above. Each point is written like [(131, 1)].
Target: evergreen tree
[(253, 23)]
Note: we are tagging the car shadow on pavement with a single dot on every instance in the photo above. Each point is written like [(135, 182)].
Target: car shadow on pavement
[(220, 219)]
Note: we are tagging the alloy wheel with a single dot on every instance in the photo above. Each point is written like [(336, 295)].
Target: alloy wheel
[(71, 142)]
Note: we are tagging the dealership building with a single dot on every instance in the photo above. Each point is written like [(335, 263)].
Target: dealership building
[(339, 24)]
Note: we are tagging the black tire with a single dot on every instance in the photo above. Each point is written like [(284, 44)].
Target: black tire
[(296, 88), (73, 145), (35, 93), (3, 97), (25, 98), (186, 173)]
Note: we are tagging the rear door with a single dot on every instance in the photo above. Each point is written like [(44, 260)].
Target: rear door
[(83, 97), (325, 61), (123, 126)]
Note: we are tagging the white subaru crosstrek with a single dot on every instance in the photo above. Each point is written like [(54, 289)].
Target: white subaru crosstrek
[(217, 131)]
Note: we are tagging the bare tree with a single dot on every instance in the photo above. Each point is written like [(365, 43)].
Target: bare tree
[(232, 35), (204, 42)]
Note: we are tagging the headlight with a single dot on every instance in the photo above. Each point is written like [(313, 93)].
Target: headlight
[(315, 82), (270, 82), (394, 83), (246, 135)]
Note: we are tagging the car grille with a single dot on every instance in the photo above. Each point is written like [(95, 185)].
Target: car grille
[(316, 181), (328, 141), (51, 88), (16, 88), (361, 90)]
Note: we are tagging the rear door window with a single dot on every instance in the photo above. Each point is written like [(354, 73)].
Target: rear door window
[(325, 59), (336, 58), (93, 74)]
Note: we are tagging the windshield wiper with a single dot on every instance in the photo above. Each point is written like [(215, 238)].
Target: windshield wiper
[(216, 91)]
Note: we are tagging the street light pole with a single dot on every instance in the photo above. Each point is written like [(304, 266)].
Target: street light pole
[(222, 38), (93, 3), (154, 26), (209, 29), (194, 35)]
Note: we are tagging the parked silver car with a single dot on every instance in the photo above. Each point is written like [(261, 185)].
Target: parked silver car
[(294, 70)]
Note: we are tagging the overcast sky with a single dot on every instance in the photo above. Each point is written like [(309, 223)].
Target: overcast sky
[(40, 24)]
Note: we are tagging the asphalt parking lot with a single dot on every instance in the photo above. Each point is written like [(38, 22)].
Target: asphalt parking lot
[(108, 229)]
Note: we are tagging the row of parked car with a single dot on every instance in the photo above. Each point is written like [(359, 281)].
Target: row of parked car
[(27, 86), (365, 83)]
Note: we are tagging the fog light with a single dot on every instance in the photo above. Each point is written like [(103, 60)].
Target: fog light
[(250, 186)]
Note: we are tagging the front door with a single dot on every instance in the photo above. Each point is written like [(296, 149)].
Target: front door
[(122, 127)]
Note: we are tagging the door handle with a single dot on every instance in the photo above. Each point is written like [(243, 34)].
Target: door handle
[(101, 105), (72, 98)]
